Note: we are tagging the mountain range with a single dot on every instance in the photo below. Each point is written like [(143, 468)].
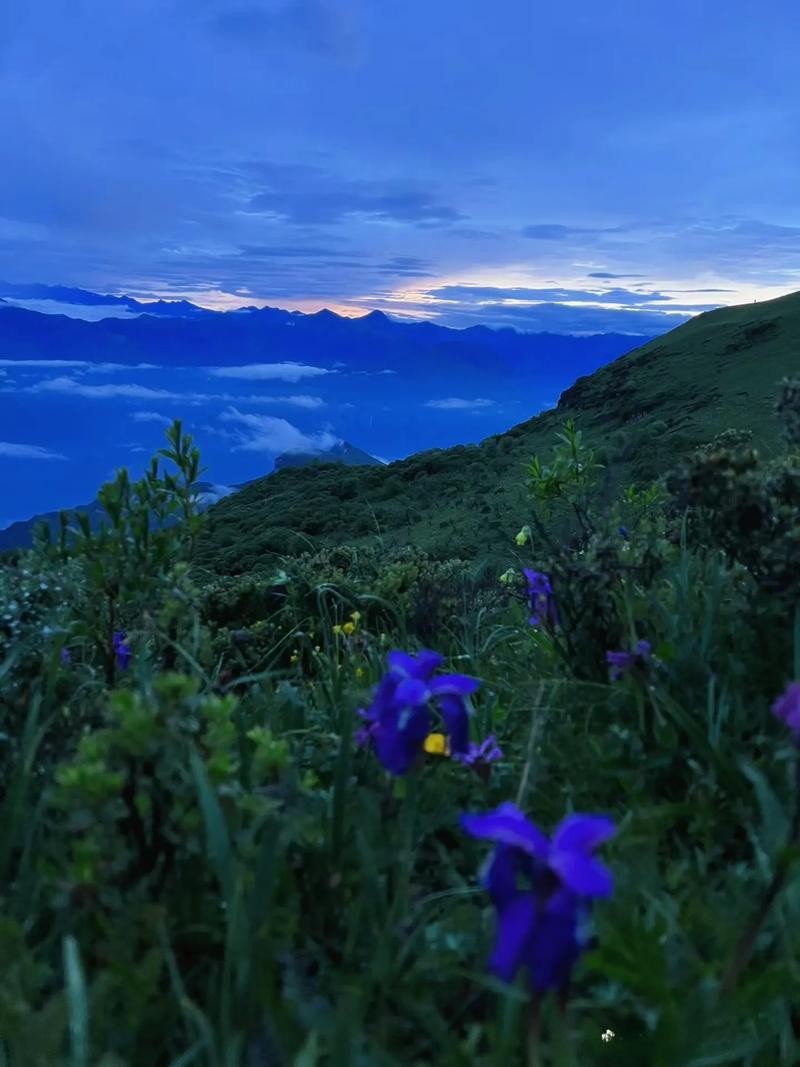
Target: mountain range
[(642, 413), (89, 380)]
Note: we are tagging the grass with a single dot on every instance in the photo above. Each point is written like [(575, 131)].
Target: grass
[(200, 865), (641, 412)]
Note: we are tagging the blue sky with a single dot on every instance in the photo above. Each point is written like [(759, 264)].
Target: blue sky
[(574, 166)]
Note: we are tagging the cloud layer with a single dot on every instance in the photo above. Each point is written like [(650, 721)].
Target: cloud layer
[(346, 154)]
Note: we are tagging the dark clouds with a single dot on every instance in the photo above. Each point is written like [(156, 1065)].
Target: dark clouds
[(341, 152)]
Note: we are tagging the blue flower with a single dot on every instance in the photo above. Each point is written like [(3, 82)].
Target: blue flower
[(486, 752), (541, 925), (399, 718), (122, 649), (66, 655), (787, 709), (540, 592), (622, 662)]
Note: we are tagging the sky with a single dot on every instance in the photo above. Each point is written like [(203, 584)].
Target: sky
[(571, 167)]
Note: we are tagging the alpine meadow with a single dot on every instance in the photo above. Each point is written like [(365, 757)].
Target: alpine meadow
[(253, 772), (399, 533)]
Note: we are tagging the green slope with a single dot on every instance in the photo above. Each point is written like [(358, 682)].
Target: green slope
[(641, 412)]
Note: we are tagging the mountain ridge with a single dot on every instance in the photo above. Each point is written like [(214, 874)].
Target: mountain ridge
[(20, 534), (641, 412)]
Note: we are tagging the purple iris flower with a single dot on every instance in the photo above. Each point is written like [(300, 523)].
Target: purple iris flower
[(622, 662), (486, 752), (122, 649), (541, 925), (66, 655), (542, 603), (399, 718), (787, 709)]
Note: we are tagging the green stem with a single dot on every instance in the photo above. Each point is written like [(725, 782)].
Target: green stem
[(747, 941), (534, 1033)]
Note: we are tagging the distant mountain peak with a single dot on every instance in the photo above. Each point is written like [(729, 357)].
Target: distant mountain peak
[(341, 452)]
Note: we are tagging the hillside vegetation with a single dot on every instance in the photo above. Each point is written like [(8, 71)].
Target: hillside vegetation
[(639, 413), (366, 807)]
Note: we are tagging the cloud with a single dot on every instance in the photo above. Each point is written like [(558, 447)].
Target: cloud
[(68, 386), (477, 294), (78, 364), (15, 451), (455, 403), (550, 231), (285, 372), (309, 195), (265, 433), (151, 416), (310, 25), (131, 391), (609, 275)]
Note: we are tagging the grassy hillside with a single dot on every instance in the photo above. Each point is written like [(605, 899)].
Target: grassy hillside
[(640, 412)]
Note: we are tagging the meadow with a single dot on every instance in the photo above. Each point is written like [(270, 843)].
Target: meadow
[(370, 804)]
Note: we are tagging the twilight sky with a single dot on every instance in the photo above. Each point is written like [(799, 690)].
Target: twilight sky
[(567, 166)]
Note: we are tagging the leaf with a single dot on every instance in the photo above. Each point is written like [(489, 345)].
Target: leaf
[(78, 1006), (218, 845)]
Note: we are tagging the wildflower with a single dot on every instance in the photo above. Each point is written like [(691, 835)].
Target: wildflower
[(66, 655), (523, 536), (623, 532), (399, 718), (540, 591), (542, 926), (359, 673), (317, 648), (122, 649), (349, 628), (294, 657), (486, 752), (355, 616), (622, 662), (787, 709), (337, 629), (437, 745), (507, 576)]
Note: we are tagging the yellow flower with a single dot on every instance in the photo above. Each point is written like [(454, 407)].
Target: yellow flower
[(359, 673), (507, 576), (355, 616), (437, 745), (523, 536), (337, 629), (294, 658), (349, 628)]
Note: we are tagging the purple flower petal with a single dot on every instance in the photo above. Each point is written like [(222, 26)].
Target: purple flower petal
[(456, 684), (508, 826), (554, 947), (420, 666), (581, 874), (456, 720), (515, 926), (582, 833), (787, 708), (411, 691)]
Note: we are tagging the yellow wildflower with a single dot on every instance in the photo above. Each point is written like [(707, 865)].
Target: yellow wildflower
[(523, 536), (355, 616), (337, 629), (294, 658), (437, 745), (359, 673), (349, 628)]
